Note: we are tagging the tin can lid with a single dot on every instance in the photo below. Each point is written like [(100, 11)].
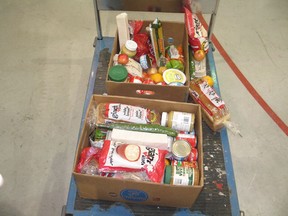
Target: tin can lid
[(118, 73), (181, 148), (168, 173)]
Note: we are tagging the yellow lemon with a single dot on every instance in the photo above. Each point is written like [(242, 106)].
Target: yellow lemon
[(209, 80)]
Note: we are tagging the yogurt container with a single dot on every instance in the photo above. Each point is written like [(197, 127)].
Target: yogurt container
[(174, 76)]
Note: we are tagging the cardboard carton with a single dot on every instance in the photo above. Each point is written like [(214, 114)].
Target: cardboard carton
[(146, 193), (173, 93)]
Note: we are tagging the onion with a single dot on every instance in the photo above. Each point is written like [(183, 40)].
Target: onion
[(152, 71)]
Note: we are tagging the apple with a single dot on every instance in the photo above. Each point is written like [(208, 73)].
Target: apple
[(161, 69), (123, 59), (199, 55)]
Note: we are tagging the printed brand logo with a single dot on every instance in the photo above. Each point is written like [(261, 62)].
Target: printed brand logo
[(148, 157), (134, 195)]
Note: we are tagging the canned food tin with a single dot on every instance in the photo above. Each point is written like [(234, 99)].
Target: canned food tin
[(145, 62), (181, 149), (191, 164), (189, 137), (178, 175)]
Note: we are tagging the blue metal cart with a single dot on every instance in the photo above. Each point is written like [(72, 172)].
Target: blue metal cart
[(219, 195)]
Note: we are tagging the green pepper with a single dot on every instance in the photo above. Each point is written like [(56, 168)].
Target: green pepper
[(176, 64)]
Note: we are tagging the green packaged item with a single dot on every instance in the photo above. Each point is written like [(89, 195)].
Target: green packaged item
[(150, 128), (176, 64)]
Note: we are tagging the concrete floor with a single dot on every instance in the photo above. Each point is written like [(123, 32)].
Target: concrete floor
[(46, 54)]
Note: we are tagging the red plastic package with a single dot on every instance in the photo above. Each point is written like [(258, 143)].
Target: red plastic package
[(87, 154), (196, 32), (190, 137), (135, 26), (189, 23), (142, 45), (118, 156)]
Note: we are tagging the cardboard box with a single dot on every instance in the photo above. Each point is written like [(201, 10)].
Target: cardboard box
[(174, 93), (105, 188)]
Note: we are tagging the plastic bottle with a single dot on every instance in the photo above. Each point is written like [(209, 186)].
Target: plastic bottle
[(180, 121), (129, 48), (181, 175)]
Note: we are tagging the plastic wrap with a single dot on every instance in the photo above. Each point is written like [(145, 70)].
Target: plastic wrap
[(215, 112), (97, 137), (196, 32), (141, 127), (117, 112), (88, 163)]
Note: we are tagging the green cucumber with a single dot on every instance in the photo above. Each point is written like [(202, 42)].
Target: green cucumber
[(150, 128)]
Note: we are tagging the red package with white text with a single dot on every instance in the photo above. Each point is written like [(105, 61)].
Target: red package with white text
[(118, 156), (196, 32), (190, 137)]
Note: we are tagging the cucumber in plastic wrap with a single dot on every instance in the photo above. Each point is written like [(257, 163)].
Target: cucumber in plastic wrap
[(141, 127)]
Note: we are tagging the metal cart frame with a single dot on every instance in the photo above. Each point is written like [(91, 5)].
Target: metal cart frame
[(202, 6)]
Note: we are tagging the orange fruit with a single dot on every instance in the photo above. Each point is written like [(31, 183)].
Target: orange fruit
[(157, 77), (209, 80)]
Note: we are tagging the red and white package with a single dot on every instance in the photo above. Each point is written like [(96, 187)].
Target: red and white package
[(135, 26), (88, 154), (193, 156), (190, 137), (196, 32), (118, 156)]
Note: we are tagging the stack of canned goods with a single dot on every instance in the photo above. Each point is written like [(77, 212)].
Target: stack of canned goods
[(182, 164)]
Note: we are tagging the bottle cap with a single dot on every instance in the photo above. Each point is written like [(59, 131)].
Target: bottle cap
[(168, 172), (131, 45), (118, 73), (170, 40), (164, 118)]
